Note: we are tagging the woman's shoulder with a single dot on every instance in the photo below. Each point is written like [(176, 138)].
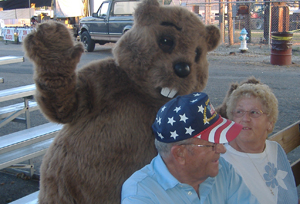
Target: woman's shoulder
[(273, 145), (274, 148)]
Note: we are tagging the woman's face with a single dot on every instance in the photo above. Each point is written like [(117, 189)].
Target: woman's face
[(255, 130)]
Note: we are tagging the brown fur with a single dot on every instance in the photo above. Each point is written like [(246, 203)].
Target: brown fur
[(108, 106), (222, 108)]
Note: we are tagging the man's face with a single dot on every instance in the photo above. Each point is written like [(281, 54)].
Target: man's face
[(203, 161)]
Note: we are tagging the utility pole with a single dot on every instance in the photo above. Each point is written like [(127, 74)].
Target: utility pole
[(207, 12), (221, 20), (29, 8), (248, 22), (230, 22)]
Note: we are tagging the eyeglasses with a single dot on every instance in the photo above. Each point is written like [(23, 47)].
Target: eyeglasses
[(213, 146), (256, 113)]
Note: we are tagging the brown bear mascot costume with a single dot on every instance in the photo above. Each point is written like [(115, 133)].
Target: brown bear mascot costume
[(108, 106)]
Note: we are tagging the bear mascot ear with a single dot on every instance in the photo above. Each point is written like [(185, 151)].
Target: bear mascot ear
[(213, 37), (146, 12)]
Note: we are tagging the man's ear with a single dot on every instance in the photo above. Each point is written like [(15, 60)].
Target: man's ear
[(179, 152)]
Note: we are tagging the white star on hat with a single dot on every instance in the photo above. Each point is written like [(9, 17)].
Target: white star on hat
[(177, 109), (193, 101), (189, 130), (183, 118), (163, 109), (160, 135), (171, 121), (201, 109), (159, 120), (197, 94), (205, 121), (174, 135)]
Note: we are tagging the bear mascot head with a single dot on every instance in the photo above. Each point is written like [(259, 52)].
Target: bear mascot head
[(108, 106)]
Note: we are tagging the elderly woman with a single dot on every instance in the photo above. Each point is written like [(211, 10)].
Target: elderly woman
[(262, 163)]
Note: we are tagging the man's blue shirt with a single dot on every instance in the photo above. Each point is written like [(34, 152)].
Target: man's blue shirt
[(155, 184)]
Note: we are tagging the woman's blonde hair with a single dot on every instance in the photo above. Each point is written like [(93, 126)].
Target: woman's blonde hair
[(259, 91)]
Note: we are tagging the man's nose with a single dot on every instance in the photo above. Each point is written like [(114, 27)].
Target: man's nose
[(220, 148)]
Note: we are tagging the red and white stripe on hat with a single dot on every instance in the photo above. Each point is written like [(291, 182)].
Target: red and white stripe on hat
[(222, 131)]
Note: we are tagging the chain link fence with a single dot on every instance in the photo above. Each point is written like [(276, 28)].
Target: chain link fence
[(259, 18)]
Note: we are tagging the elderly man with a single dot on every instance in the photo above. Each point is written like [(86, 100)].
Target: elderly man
[(188, 168)]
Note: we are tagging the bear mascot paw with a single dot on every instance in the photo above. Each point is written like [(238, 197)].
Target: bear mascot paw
[(108, 106)]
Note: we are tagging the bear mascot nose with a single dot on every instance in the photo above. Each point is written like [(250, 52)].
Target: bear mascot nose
[(182, 69)]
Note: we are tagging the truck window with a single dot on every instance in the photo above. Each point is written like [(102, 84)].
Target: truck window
[(124, 8), (102, 12)]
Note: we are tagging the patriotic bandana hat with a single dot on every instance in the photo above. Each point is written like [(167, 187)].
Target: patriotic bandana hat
[(193, 116)]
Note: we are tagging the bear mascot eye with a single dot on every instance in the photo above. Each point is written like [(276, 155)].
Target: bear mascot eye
[(166, 44)]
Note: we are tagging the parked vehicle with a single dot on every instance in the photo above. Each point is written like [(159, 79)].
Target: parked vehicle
[(295, 23), (257, 16), (112, 20)]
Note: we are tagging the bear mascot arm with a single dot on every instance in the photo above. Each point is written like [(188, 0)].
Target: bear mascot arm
[(108, 106)]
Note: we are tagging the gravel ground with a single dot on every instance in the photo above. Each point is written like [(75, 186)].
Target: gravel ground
[(256, 55), (227, 65)]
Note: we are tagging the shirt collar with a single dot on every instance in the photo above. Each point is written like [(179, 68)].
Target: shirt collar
[(166, 179)]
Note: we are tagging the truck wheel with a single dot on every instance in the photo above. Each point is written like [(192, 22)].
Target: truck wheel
[(102, 42), (89, 44), (258, 24)]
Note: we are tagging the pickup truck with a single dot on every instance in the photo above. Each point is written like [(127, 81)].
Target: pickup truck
[(112, 20)]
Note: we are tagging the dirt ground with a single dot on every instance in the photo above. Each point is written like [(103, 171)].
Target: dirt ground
[(260, 52)]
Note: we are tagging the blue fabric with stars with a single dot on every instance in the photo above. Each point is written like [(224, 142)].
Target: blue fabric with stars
[(184, 117)]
